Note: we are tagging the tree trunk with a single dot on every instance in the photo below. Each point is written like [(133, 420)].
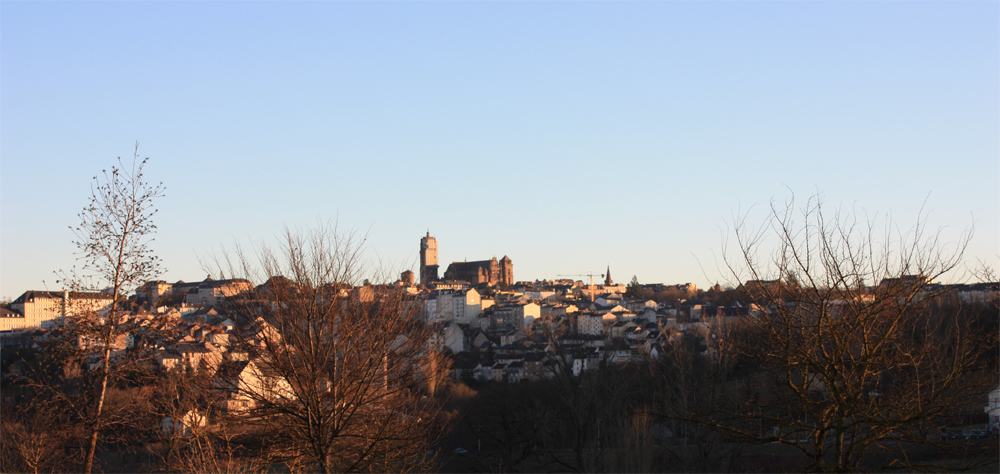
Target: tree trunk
[(95, 427), (109, 337)]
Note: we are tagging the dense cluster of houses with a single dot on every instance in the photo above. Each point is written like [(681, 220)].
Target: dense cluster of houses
[(494, 335), (537, 329), (499, 333)]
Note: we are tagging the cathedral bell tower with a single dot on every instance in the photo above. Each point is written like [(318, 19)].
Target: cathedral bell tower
[(428, 259)]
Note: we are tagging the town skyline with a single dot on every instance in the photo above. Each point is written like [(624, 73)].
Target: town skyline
[(569, 137), (534, 236)]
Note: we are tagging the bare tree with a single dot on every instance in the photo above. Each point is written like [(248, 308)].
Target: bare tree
[(195, 434), (845, 358), (112, 239), (692, 388), (634, 448), (507, 420), (584, 396), (332, 371), (434, 370), (34, 438)]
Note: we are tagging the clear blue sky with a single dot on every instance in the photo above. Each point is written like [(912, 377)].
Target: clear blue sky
[(568, 136)]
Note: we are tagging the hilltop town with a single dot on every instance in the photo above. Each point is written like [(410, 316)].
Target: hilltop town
[(523, 363), (492, 327)]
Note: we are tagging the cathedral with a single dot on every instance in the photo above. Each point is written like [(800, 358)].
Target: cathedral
[(484, 271), (490, 271)]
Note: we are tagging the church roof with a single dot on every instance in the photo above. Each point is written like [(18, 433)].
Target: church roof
[(463, 266)]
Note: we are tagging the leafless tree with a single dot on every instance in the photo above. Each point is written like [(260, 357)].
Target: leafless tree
[(691, 388), (584, 397), (112, 239), (34, 438), (434, 370), (507, 421), (844, 357), (633, 445), (332, 368), (195, 435)]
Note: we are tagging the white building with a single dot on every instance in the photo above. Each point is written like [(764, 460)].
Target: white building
[(588, 323), (993, 409), (461, 306), (447, 335), (44, 309)]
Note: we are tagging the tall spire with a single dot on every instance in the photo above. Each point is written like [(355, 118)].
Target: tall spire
[(607, 277)]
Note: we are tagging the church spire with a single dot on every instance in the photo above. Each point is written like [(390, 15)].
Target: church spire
[(607, 277)]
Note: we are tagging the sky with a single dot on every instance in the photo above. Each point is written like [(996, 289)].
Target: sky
[(569, 136)]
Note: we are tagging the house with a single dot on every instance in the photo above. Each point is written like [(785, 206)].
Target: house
[(463, 365), (219, 338), (533, 365), (201, 315), (265, 333), (514, 315), (188, 421), (195, 354), (618, 352), (512, 336), (168, 359), (622, 328), (430, 309), (606, 306), (655, 351), (483, 372), (556, 310), (120, 342), (639, 305), (498, 373), (461, 306), (585, 360), (475, 338), (588, 323), (247, 382), (582, 340), (992, 409), (722, 316), (515, 372), (152, 290), (211, 292), (446, 335), (507, 357), (538, 294)]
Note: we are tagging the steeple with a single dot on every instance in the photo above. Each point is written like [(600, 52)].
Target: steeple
[(607, 277)]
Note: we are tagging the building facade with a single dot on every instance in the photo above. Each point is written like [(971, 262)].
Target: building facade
[(44, 309)]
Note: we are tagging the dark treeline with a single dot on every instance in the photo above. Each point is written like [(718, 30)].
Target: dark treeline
[(687, 411)]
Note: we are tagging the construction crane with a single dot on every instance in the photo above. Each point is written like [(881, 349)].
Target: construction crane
[(591, 287)]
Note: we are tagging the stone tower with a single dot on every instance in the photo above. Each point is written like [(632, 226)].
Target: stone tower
[(407, 278), (428, 259), (506, 271)]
